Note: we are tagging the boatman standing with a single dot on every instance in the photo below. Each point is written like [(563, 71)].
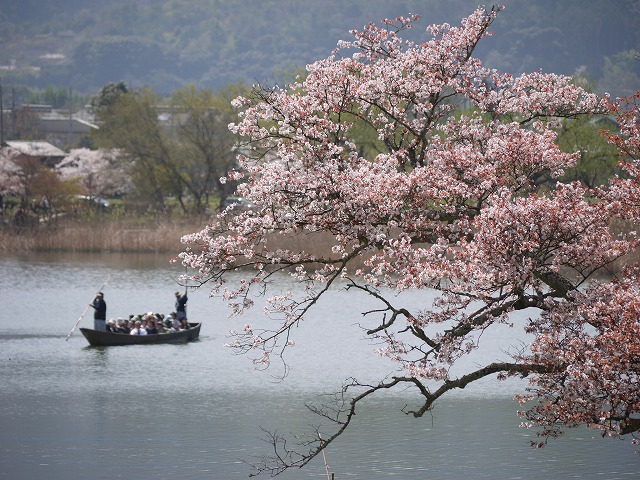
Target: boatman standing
[(99, 313), (181, 305)]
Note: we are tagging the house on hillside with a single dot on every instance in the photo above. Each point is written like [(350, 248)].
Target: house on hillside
[(46, 153)]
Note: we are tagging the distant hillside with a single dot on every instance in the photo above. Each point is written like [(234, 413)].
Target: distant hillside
[(167, 43)]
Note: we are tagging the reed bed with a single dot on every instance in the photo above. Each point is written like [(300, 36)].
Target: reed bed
[(105, 236), (122, 236), (127, 236)]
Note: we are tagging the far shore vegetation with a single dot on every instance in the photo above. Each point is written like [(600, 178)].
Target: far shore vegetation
[(102, 231), (114, 229), (97, 235), (110, 227)]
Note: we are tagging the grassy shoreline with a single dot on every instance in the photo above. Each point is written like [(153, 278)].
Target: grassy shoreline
[(95, 236), (103, 235), (125, 236)]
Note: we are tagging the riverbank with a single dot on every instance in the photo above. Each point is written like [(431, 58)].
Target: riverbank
[(103, 235), (99, 235)]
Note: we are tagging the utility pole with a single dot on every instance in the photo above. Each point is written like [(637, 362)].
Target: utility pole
[(1, 117), (13, 112), (70, 118)]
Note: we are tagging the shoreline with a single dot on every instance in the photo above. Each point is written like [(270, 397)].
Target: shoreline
[(136, 236), (114, 236), (107, 236)]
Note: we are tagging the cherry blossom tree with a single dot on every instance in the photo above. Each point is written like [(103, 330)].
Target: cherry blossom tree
[(450, 204), (98, 172), (32, 181), (10, 172)]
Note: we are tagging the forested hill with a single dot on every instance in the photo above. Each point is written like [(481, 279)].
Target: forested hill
[(167, 43)]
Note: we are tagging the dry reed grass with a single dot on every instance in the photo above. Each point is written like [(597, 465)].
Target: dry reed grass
[(118, 236), (96, 236)]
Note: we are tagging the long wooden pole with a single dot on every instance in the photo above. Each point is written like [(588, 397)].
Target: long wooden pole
[(87, 308), (326, 466)]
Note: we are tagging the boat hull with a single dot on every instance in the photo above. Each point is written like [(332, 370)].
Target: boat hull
[(110, 339)]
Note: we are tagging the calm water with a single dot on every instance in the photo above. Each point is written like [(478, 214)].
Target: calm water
[(194, 411)]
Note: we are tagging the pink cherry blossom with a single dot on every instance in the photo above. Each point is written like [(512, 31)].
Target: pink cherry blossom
[(450, 203)]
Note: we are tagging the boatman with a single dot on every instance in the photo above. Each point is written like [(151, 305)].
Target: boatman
[(181, 305), (99, 313)]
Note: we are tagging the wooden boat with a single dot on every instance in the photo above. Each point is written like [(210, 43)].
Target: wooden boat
[(108, 339)]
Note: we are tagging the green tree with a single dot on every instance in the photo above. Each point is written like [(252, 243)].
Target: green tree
[(179, 150), (107, 97), (206, 143), (130, 123), (598, 158)]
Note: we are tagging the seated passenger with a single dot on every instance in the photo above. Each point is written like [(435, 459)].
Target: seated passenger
[(121, 326), (168, 326), (143, 326), (136, 328), (151, 326), (174, 320), (133, 319), (158, 320)]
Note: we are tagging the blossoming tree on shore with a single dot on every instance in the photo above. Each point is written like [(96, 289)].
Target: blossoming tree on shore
[(452, 203), (97, 171)]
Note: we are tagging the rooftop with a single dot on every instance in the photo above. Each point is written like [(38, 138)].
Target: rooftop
[(35, 149)]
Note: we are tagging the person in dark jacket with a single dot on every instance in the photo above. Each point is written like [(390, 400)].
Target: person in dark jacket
[(152, 329), (181, 305), (99, 313), (122, 326)]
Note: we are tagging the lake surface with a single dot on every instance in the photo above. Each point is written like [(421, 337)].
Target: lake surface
[(194, 411)]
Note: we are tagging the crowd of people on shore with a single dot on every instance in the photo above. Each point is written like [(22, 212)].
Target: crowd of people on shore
[(147, 324)]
